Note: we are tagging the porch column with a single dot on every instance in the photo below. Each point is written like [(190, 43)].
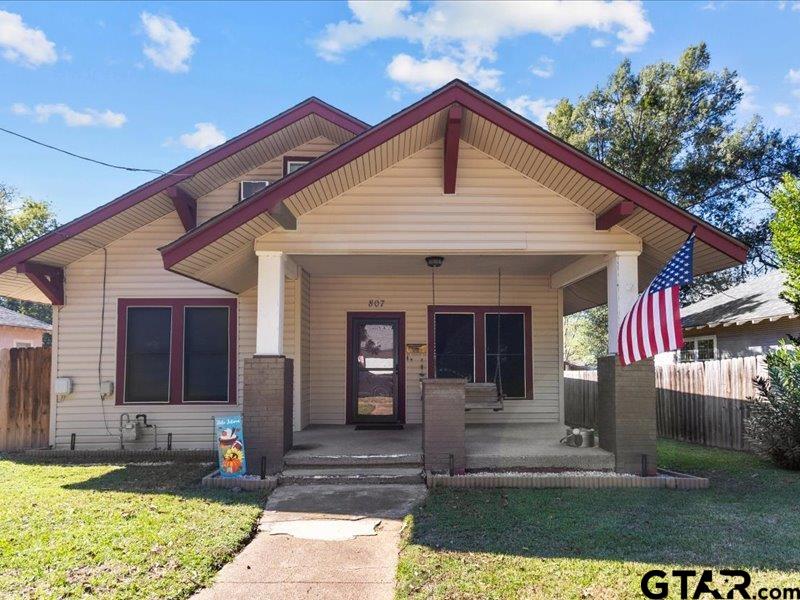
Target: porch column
[(626, 403), (269, 316), (622, 275)]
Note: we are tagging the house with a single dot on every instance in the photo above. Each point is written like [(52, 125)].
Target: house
[(746, 320), (21, 331), (283, 275)]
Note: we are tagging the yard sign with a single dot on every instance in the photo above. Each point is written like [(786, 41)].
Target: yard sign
[(229, 437)]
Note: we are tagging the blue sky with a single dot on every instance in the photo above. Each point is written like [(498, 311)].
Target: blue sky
[(152, 84)]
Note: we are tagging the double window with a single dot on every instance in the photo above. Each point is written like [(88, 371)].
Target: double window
[(698, 348), (469, 341), (176, 351)]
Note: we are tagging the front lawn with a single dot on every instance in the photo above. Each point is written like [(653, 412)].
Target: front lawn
[(599, 543), (115, 531)]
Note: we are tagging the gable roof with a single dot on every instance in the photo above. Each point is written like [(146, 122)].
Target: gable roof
[(492, 128), (12, 318), (148, 202), (749, 302)]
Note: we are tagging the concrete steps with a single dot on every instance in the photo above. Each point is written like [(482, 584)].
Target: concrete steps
[(311, 469), (354, 475), (358, 460)]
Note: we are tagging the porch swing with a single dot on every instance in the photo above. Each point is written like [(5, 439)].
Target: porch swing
[(488, 396)]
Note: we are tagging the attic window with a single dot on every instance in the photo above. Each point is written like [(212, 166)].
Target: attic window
[(292, 164), (248, 188)]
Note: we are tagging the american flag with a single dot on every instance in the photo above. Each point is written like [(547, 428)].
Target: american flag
[(653, 325)]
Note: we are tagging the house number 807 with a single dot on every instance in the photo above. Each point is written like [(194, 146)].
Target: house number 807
[(376, 302)]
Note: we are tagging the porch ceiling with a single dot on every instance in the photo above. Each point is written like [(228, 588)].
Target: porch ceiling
[(409, 265)]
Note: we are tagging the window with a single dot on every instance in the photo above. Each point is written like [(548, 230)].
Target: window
[(455, 345), (293, 163), (176, 351), (147, 354), (466, 345), (248, 188), (205, 354), (698, 348), (510, 352)]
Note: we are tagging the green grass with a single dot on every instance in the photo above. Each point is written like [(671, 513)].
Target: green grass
[(115, 531), (599, 543)]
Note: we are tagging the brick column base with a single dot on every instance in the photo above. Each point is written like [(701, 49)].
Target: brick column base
[(267, 411), (626, 413), (443, 424)]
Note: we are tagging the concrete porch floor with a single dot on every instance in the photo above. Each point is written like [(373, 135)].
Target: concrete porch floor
[(495, 446)]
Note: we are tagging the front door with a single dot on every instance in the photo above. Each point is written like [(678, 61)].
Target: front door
[(376, 368)]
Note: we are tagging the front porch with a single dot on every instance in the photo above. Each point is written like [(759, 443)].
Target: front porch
[(489, 447)]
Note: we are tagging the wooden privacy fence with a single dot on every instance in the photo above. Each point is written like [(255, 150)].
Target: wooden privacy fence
[(24, 398), (580, 393), (699, 402)]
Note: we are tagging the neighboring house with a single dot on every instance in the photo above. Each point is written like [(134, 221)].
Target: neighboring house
[(21, 331), (306, 237), (746, 320)]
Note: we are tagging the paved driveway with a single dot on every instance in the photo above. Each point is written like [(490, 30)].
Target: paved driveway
[(321, 541)]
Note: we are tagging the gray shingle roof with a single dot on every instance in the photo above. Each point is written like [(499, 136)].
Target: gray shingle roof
[(15, 319), (748, 302)]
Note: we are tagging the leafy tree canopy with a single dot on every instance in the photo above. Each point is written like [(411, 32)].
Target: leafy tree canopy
[(22, 220), (786, 235), (673, 128)]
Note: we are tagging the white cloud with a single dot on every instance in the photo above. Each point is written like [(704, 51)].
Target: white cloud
[(781, 109), (793, 76), (748, 103), (599, 43), (429, 73), (462, 36), (204, 136), (535, 109), (545, 67), (395, 94), (88, 117), (22, 44), (171, 45)]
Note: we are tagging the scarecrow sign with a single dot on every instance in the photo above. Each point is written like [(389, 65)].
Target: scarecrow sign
[(229, 436)]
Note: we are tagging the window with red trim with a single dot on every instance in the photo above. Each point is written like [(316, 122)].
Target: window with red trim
[(176, 351), (465, 342)]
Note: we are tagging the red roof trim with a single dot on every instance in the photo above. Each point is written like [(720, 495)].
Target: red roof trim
[(183, 172), (468, 97)]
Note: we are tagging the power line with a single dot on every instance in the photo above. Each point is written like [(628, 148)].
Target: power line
[(86, 158)]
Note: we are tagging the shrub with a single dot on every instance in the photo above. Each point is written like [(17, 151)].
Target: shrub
[(774, 424)]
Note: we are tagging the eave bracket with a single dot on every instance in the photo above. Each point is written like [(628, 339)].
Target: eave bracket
[(615, 215), (452, 136), (185, 205), (49, 280)]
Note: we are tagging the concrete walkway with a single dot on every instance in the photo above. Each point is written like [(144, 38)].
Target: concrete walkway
[(321, 541)]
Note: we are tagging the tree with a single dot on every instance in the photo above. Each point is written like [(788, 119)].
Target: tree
[(586, 336), (673, 128), (786, 236), (23, 219)]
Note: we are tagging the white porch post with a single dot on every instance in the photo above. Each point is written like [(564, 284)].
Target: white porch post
[(269, 318), (623, 289)]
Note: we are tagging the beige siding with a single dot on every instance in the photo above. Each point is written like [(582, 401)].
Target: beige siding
[(134, 270), (227, 195), (333, 297), (495, 209)]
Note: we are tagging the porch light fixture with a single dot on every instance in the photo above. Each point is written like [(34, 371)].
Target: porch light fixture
[(434, 262)]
